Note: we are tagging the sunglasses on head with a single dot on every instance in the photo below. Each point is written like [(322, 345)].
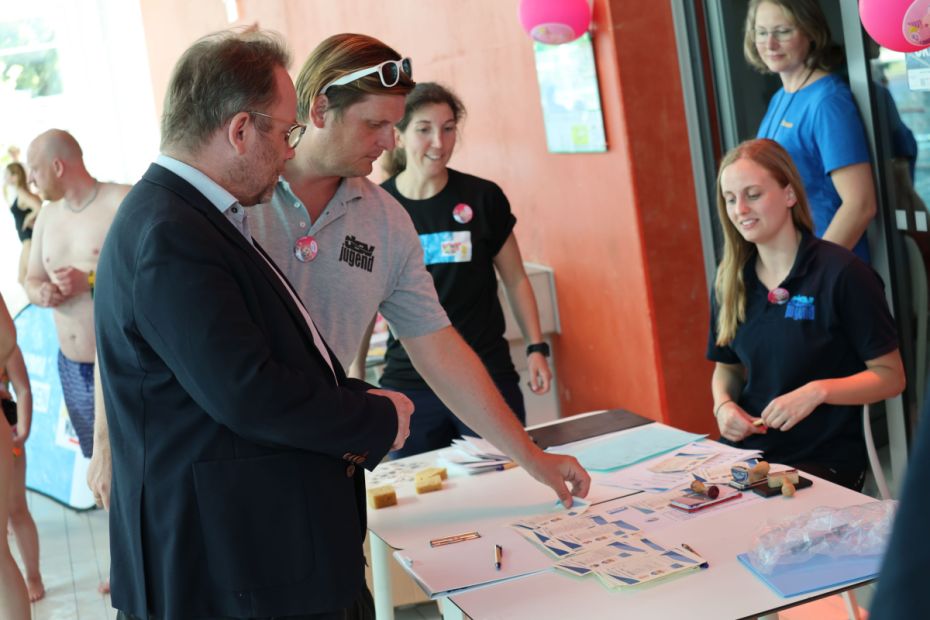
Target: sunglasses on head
[(389, 71)]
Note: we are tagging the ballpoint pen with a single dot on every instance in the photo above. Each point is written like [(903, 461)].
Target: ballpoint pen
[(498, 552), (705, 564)]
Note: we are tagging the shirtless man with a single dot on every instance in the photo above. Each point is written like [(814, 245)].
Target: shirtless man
[(68, 235)]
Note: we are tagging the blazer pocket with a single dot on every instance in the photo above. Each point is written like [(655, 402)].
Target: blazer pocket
[(255, 519)]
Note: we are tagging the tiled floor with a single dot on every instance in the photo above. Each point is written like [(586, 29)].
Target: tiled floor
[(74, 556), (74, 550)]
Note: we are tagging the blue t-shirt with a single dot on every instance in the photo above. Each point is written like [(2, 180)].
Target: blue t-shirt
[(820, 128)]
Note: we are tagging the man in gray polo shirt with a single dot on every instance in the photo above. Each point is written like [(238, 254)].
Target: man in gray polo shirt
[(351, 250), (355, 255)]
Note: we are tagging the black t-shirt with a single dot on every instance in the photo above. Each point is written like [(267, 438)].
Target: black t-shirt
[(461, 229), (835, 320)]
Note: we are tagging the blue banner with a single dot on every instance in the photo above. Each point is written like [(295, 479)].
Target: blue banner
[(56, 466)]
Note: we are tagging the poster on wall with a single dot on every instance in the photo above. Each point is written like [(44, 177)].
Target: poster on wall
[(571, 99), (56, 466), (918, 69)]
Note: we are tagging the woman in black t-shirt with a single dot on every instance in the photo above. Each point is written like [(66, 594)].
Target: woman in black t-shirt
[(24, 205), (800, 330), (466, 230)]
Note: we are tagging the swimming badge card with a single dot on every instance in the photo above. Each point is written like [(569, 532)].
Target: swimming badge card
[(630, 560)]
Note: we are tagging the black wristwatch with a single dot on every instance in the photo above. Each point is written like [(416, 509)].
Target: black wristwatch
[(539, 347)]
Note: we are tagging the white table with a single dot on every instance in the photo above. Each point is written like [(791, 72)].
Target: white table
[(725, 590), (423, 517)]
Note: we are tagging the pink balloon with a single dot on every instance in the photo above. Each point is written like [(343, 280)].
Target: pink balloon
[(555, 21), (900, 25)]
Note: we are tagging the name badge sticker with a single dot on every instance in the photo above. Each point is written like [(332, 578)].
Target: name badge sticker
[(801, 308), (446, 247)]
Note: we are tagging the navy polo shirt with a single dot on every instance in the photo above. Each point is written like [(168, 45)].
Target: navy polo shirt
[(836, 318)]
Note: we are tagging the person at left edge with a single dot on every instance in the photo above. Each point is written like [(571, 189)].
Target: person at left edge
[(14, 600), (237, 440)]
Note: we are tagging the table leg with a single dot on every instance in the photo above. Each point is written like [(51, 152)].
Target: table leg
[(448, 609), (381, 577)]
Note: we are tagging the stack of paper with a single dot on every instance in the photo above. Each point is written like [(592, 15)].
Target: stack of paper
[(448, 569), (476, 455), (707, 461), (626, 447), (607, 546)]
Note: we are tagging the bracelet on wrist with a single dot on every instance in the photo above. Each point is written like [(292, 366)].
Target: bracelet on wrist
[(720, 406), (538, 347)]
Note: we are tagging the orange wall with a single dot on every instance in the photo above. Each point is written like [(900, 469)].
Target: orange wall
[(620, 228)]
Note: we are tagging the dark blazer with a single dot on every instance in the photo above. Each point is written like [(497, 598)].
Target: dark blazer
[(235, 492)]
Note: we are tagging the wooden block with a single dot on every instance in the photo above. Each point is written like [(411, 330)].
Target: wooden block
[(382, 497), (432, 471), (778, 478), (428, 484)]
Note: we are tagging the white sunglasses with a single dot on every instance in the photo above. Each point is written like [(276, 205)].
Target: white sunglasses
[(389, 71)]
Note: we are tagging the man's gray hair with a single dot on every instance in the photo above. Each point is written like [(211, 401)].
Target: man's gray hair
[(219, 76)]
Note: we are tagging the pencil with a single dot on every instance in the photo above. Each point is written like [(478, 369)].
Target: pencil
[(498, 552)]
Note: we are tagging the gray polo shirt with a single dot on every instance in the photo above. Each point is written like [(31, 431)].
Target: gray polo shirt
[(369, 260)]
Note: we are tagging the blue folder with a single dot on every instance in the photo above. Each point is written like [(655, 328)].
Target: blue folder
[(818, 573)]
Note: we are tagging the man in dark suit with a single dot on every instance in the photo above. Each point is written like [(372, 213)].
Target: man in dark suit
[(235, 433)]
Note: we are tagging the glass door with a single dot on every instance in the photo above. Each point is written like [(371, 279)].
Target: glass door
[(725, 101)]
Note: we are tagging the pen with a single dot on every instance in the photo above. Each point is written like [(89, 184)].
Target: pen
[(455, 538), (691, 549), (498, 467), (498, 552)]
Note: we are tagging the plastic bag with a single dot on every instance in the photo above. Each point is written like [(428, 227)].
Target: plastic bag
[(854, 530)]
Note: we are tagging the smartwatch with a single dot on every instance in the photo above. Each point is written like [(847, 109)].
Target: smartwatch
[(539, 347)]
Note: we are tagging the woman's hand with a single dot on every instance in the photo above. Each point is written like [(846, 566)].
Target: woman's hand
[(786, 411), (735, 424), (540, 375)]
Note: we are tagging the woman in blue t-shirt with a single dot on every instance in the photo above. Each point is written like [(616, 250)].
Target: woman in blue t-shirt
[(800, 329), (466, 229), (814, 116)]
